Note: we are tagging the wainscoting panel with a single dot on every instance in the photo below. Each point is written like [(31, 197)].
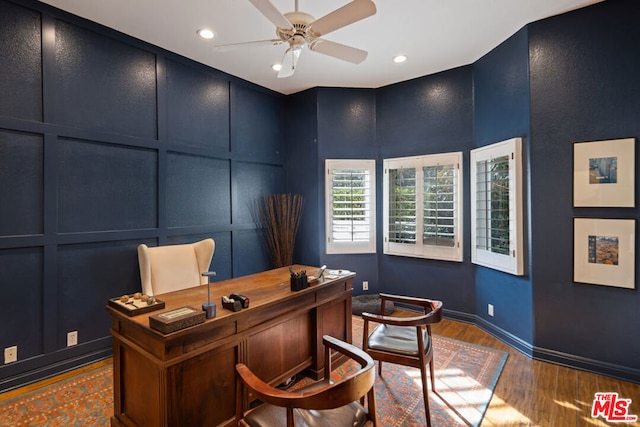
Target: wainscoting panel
[(21, 175), (21, 82), (103, 84), (105, 187), (197, 107), (197, 191)]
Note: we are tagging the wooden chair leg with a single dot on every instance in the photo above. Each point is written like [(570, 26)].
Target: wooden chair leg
[(433, 377), (425, 387), (379, 368)]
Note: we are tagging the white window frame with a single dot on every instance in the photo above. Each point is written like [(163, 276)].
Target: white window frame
[(418, 249), (350, 247), (513, 262)]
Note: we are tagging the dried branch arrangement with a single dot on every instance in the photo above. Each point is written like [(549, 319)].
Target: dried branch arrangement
[(279, 215)]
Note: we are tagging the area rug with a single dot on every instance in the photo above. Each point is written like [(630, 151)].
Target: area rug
[(83, 400), (466, 375)]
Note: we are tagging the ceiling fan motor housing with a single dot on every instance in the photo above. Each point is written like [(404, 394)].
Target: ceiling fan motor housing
[(300, 22)]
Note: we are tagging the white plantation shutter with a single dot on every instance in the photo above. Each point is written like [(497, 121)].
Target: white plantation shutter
[(496, 206), (423, 206), (350, 206)]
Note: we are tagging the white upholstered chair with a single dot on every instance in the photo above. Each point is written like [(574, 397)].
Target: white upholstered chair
[(173, 267)]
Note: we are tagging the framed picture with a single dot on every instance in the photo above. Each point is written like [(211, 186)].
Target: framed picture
[(604, 173), (604, 251)]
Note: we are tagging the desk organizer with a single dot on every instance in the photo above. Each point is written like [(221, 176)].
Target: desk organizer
[(299, 283)]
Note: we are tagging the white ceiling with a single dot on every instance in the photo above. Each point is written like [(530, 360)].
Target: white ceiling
[(435, 35)]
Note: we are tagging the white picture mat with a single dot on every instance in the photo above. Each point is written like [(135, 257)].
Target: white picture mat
[(621, 275), (619, 194)]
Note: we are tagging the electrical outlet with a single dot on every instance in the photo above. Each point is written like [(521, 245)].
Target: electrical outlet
[(365, 285), (72, 338), (10, 354), (490, 309)]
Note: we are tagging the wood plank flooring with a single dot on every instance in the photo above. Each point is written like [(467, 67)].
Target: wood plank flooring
[(534, 393), (528, 393)]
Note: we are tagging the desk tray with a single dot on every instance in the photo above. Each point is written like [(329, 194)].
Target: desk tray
[(140, 307)]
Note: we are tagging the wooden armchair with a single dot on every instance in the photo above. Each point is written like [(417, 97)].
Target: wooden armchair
[(404, 340), (327, 403)]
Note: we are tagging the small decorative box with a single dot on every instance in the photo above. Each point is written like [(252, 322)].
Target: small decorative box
[(176, 319)]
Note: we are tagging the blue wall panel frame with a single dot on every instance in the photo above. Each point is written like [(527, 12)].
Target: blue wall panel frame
[(109, 143)]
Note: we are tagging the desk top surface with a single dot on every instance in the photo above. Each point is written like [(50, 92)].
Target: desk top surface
[(262, 289)]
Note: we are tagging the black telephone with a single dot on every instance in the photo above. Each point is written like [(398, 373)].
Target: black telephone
[(244, 300)]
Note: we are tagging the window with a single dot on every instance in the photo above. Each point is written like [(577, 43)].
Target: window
[(496, 200), (350, 206), (423, 206)]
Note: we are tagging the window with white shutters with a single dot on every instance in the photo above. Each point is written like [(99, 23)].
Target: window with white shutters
[(496, 200), (350, 206), (423, 206)]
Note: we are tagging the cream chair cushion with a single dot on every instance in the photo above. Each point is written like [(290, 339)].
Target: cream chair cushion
[(170, 268)]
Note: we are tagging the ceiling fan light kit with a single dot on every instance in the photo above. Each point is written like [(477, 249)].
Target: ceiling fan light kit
[(300, 30)]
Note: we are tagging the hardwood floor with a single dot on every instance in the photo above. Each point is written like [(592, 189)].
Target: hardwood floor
[(528, 392), (535, 393)]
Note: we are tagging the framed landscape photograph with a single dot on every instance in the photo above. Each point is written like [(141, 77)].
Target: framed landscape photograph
[(604, 173), (604, 252)]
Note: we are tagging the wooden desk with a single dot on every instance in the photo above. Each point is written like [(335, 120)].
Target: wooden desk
[(187, 378)]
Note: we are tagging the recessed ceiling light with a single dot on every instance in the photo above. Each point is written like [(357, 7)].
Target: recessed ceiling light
[(205, 33), (400, 58), (276, 67)]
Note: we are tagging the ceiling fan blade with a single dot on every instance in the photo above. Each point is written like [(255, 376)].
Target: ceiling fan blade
[(338, 50), (289, 61), (272, 14), (233, 46), (347, 14)]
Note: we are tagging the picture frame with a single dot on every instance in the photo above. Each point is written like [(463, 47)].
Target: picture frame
[(604, 252), (604, 173)]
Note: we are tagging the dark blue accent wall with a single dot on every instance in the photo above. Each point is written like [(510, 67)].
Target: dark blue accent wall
[(501, 111), (105, 143), (346, 130), (428, 115), (554, 82), (584, 87), (303, 172)]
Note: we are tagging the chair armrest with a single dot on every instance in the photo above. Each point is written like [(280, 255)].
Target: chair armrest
[(349, 350), (432, 311), (397, 321), (426, 304), (264, 391), (323, 394)]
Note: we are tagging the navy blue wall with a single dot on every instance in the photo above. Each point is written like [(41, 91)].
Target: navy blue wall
[(106, 143), (346, 130), (428, 115), (301, 158), (501, 111), (584, 87), (554, 82)]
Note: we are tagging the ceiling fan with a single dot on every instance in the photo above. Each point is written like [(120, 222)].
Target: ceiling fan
[(301, 30)]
